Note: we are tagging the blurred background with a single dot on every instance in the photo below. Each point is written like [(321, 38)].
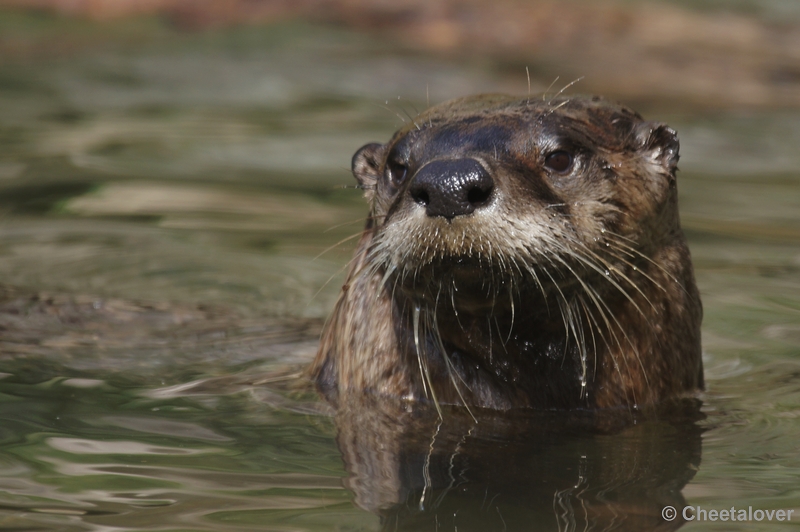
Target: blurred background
[(174, 180), (210, 140)]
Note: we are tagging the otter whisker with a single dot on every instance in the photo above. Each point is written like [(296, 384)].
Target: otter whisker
[(646, 258), (398, 115), (621, 274), (592, 326), (489, 332), (326, 283), (569, 327), (568, 85), (647, 320), (428, 102), (339, 243), (451, 372), (514, 263), (544, 94), (405, 112), (443, 351), (511, 299), (610, 268), (362, 220), (599, 270), (427, 371), (532, 271), (604, 313), (561, 294), (599, 302), (634, 267), (634, 348), (369, 268), (557, 107), (409, 102), (389, 271), (528, 74), (582, 349), (423, 368), (453, 303), (500, 334), (562, 305)]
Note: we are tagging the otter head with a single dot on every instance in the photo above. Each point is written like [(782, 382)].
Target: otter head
[(478, 193), (519, 253)]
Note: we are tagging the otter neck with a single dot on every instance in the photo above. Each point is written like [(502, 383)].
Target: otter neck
[(501, 355)]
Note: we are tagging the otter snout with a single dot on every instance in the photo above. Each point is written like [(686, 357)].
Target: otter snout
[(451, 188)]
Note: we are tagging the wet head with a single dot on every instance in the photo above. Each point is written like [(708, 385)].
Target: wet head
[(519, 252), (492, 186)]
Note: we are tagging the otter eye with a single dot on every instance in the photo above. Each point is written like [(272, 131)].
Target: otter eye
[(397, 172), (559, 161)]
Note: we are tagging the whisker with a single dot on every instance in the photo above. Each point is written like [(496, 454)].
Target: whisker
[(331, 278), (594, 346), (337, 226), (528, 74), (568, 85), (451, 370), (423, 371), (398, 115), (610, 268), (411, 118), (511, 299), (642, 255), (339, 243), (544, 94)]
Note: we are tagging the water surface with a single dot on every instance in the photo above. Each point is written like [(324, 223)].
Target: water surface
[(168, 204)]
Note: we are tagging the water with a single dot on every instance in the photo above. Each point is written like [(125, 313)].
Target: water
[(165, 200)]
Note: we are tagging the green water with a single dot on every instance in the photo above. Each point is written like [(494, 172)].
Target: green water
[(165, 202)]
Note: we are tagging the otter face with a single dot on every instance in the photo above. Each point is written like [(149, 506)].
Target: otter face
[(481, 191)]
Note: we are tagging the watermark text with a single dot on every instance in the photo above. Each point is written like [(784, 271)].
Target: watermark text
[(698, 513)]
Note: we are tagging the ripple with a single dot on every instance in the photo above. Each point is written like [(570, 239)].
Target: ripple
[(83, 446)]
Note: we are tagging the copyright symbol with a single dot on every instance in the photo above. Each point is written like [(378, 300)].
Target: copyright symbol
[(669, 513)]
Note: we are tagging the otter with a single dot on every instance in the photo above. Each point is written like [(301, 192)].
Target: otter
[(518, 253)]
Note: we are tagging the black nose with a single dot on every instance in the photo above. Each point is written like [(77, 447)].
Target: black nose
[(451, 188)]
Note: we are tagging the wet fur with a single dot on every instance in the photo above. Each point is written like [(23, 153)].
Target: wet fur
[(567, 291)]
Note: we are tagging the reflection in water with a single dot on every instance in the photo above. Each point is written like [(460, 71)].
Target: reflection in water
[(560, 471)]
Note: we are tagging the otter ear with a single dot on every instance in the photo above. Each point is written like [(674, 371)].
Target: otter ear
[(366, 167), (661, 143)]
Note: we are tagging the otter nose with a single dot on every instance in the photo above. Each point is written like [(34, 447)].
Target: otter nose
[(451, 188)]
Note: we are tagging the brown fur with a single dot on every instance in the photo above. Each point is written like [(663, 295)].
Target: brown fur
[(562, 290)]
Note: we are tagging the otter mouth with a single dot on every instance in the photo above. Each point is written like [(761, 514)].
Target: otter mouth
[(469, 283), (463, 282), (476, 260)]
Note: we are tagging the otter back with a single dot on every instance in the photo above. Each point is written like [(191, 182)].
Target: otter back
[(518, 253)]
